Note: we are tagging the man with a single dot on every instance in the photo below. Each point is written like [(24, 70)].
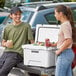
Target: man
[(14, 36)]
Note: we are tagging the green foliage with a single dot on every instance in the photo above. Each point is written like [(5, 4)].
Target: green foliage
[(73, 0), (69, 0), (2, 3), (8, 3)]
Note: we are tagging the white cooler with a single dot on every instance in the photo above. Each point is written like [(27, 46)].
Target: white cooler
[(41, 56)]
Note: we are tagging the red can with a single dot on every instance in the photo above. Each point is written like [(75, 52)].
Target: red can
[(47, 42)]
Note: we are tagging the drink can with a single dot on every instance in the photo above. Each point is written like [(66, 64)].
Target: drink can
[(47, 42)]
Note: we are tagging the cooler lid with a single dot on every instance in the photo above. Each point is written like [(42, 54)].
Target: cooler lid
[(46, 31)]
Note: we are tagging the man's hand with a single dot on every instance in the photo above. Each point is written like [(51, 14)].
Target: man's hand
[(9, 44)]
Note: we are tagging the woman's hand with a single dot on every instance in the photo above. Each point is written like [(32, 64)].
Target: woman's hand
[(57, 52), (53, 44)]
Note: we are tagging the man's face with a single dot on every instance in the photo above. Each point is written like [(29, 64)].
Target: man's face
[(16, 16)]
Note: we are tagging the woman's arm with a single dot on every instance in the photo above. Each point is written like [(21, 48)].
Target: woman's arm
[(64, 46), (53, 44)]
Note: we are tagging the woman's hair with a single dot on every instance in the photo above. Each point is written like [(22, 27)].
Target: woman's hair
[(67, 12)]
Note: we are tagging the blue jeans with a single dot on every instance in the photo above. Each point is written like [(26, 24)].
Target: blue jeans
[(64, 62)]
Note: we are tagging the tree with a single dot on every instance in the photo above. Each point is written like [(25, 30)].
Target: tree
[(69, 0), (8, 3), (2, 3), (73, 0)]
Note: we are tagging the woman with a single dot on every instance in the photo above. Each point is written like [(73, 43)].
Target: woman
[(64, 44)]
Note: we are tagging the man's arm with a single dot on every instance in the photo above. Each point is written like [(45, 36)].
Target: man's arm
[(7, 43), (4, 43)]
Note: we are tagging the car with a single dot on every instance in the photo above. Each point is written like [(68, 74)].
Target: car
[(40, 14), (3, 15)]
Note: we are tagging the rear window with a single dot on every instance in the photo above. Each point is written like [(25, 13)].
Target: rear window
[(51, 18), (2, 18)]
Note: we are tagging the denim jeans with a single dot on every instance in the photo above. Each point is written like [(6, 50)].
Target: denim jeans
[(7, 61), (64, 62)]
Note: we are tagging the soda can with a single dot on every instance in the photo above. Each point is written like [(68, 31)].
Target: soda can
[(47, 42)]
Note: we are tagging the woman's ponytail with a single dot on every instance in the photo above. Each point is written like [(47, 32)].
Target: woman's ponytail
[(70, 16)]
